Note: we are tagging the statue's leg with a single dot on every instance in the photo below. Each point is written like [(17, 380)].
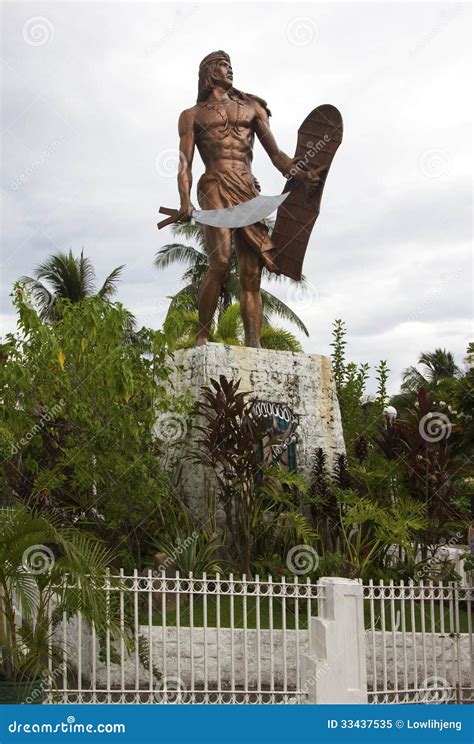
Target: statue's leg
[(219, 250), (250, 270)]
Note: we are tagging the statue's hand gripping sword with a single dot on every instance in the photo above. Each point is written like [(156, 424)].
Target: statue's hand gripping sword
[(247, 213)]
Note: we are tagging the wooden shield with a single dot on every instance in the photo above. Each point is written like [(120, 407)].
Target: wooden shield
[(318, 139)]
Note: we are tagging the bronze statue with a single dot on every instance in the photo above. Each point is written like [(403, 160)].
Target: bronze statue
[(222, 125)]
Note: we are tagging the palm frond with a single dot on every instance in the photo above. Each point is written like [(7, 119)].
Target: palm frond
[(177, 253), (279, 338), (70, 277), (43, 298), (86, 272), (229, 325), (191, 231), (109, 286), (274, 306)]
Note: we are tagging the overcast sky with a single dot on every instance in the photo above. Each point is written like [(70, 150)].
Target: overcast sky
[(91, 97)]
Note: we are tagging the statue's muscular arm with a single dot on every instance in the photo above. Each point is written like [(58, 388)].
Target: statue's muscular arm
[(280, 160), (187, 142)]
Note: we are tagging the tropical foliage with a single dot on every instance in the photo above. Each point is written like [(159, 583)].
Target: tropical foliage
[(182, 323), (81, 406), (258, 500), (84, 435), (37, 552)]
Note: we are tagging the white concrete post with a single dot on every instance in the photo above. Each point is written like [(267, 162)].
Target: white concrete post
[(334, 670)]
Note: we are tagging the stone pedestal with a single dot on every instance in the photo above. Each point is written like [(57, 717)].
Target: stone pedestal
[(302, 385)]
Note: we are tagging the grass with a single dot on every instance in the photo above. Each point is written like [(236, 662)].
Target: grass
[(225, 613), (251, 613)]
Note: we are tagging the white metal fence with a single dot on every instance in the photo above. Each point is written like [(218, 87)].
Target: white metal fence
[(238, 640), (419, 643), (206, 640)]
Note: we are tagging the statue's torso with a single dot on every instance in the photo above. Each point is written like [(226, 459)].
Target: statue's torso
[(224, 133)]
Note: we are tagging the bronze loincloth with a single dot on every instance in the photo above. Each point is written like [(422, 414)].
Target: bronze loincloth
[(228, 189)]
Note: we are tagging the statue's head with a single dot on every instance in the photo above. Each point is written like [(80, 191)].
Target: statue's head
[(215, 69)]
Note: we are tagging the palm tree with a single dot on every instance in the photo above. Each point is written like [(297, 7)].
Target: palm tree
[(69, 278), (37, 554), (182, 322), (196, 261), (436, 365)]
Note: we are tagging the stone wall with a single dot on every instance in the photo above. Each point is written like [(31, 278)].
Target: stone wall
[(225, 646), (431, 673), (437, 648), (302, 382)]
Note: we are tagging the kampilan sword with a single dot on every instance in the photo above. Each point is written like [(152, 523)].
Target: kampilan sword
[(246, 213)]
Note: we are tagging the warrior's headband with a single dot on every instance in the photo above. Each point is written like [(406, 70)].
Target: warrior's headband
[(213, 57)]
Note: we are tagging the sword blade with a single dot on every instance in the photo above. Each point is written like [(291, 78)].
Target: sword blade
[(244, 214)]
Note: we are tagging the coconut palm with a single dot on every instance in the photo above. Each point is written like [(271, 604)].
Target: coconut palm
[(436, 365), (436, 368), (71, 278), (195, 259)]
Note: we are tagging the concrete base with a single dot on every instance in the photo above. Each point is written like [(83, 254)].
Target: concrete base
[(302, 385)]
